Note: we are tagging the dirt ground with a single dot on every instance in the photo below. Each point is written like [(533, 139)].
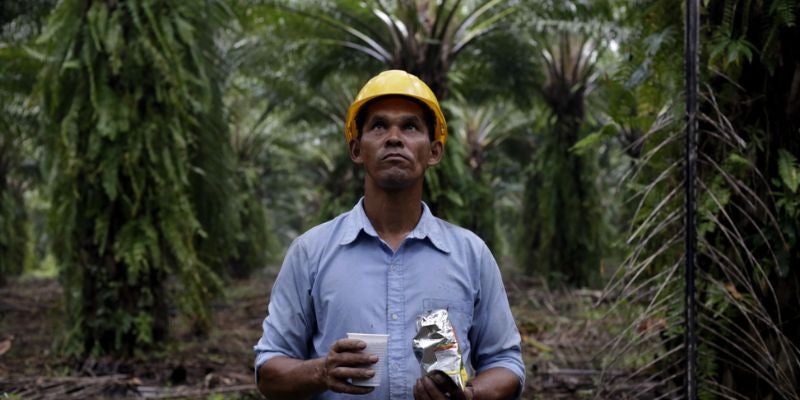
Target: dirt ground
[(561, 332)]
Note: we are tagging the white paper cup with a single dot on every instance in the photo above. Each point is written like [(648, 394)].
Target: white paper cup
[(376, 344)]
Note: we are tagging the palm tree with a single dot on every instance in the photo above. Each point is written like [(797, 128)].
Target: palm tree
[(747, 222), (20, 22), (562, 237), (480, 130), (422, 37), (139, 167)]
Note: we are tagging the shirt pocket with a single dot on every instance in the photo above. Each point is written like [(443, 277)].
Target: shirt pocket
[(458, 311)]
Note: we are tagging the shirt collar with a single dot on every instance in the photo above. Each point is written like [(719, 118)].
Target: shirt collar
[(427, 227)]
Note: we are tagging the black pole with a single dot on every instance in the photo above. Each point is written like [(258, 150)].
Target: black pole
[(691, 55)]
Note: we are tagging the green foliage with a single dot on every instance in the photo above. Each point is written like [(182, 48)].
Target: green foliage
[(14, 224), (645, 119), (255, 246), (448, 188), (740, 29), (563, 236), (745, 180), (139, 167), (476, 134), (420, 37), (20, 22), (788, 170), (14, 235), (168, 126), (356, 39)]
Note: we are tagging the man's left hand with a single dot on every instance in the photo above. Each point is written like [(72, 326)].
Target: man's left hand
[(436, 385)]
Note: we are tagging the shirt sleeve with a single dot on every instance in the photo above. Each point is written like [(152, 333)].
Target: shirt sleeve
[(289, 325), (494, 336)]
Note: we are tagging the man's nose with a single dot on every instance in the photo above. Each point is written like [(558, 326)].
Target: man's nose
[(394, 138)]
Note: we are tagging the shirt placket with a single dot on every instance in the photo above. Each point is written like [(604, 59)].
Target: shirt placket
[(395, 315)]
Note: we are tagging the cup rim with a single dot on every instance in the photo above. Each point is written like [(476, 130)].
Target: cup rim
[(352, 335)]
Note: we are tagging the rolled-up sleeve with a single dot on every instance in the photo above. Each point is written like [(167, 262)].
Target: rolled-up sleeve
[(289, 325), (494, 336)]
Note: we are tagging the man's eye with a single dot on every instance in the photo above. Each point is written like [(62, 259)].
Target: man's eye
[(378, 125), (411, 127)]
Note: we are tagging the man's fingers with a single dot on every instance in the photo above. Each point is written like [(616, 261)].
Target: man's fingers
[(342, 373), (344, 361), (346, 352), (348, 345), (442, 381), (338, 376), (344, 387), (428, 390), (350, 359), (419, 392), (432, 390), (446, 385)]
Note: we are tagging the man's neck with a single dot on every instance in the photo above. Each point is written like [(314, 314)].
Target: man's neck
[(393, 214)]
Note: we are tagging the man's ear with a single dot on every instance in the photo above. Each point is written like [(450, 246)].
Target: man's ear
[(437, 151), (355, 151)]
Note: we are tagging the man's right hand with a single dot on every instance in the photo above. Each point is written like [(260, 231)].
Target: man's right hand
[(344, 362), (284, 378)]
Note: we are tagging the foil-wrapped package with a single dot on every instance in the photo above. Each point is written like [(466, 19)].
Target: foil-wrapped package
[(436, 347)]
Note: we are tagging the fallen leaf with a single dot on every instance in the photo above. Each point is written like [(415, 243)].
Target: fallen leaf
[(731, 288), (652, 324), (537, 344), (5, 344)]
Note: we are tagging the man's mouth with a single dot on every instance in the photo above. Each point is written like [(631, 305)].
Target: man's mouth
[(394, 156)]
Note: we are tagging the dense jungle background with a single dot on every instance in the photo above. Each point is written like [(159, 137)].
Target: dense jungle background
[(157, 157)]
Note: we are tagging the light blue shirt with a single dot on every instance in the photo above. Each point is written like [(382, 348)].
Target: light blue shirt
[(341, 277)]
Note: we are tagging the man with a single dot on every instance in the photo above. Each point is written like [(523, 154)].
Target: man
[(377, 267)]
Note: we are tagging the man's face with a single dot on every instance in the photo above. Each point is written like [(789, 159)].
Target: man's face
[(395, 147)]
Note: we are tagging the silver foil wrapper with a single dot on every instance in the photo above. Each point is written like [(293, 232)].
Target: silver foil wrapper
[(436, 346)]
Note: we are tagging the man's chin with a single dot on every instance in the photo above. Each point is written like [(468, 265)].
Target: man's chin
[(394, 184)]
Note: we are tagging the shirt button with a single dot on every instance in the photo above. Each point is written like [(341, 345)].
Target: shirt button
[(394, 316)]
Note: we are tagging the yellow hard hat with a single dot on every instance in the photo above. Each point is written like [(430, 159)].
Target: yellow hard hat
[(395, 82)]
